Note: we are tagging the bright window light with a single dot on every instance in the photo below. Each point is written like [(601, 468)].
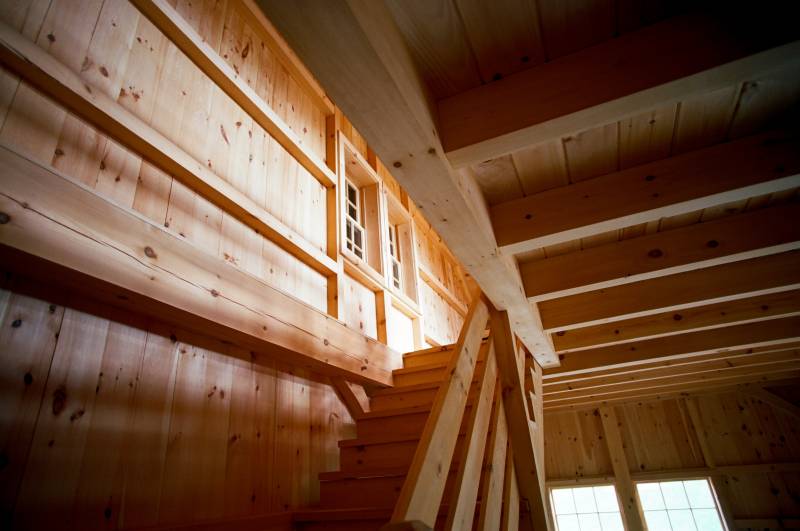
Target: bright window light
[(586, 509), (679, 506)]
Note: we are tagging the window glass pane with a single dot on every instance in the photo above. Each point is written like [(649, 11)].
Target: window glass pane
[(650, 496), (352, 195), (682, 519), (584, 500), (589, 522), (657, 521), (606, 499), (611, 522), (674, 495), (352, 211), (568, 522), (707, 519), (699, 494), (562, 499)]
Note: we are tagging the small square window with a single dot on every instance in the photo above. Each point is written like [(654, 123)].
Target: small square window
[(587, 508), (679, 505)]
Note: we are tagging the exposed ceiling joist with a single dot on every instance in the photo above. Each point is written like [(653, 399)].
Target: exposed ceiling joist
[(764, 333), (706, 317), (733, 238), (616, 79), (747, 278), (753, 166), (357, 53)]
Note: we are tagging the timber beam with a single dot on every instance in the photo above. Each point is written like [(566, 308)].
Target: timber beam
[(727, 282), (358, 55), (749, 235), (764, 333), (611, 81), (136, 264), (752, 166)]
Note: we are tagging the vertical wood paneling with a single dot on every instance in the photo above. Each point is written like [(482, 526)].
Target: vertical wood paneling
[(738, 429), (141, 428)]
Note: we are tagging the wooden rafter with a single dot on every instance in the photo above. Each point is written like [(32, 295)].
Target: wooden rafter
[(608, 82), (727, 282), (685, 183), (762, 333), (733, 238), (751, 309), (358, 55)]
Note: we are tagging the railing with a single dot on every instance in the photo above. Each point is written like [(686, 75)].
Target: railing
[(498, 430)]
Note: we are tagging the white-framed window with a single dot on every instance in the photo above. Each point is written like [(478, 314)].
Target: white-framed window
[(684, 505), (394, 254), (354, 230), (586, 508)]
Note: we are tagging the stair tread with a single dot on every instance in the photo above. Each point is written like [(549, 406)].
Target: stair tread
[(377, 439), (364, 513), (420, 368), (382, 472), (409, 410), (432, 350)]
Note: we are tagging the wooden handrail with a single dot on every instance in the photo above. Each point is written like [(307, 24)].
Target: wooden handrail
[(421, 495)]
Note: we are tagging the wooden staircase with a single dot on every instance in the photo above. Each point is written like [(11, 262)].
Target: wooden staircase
[(435, 450), (362, 494)]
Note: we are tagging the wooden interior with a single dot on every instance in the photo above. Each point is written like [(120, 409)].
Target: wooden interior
[(396, 264)]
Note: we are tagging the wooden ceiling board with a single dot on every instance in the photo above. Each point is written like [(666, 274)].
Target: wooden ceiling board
[(438, 43), (571, 25), (769, 101), (497, 179), (704, 120), (504, 35), (633, 14), (541, 167), (646, 137), (592, 153)]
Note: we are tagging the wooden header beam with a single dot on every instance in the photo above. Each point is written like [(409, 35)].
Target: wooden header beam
[(738, 280), (713, 176), (133, 263), (733, 238), (656, 65), (357, 53)]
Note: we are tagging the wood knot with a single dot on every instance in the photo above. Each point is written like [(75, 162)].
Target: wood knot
[(655, 253), (712, 244), (397, 164), (149, 252), (650, 178), (4, 218)]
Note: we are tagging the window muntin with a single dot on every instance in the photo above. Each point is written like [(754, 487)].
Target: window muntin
[(586, 509), (394, 255), (679, 505), (354, 231)]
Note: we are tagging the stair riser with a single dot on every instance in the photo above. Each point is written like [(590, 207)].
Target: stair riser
[(355, 525), (428, 358), (343, 525), (421, 377), (365, 492), (424, 377), (409, 399), (400, 425), (373, 456)]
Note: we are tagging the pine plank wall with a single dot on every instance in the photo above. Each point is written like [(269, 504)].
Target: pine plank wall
[(736, 431), (109, 420)]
